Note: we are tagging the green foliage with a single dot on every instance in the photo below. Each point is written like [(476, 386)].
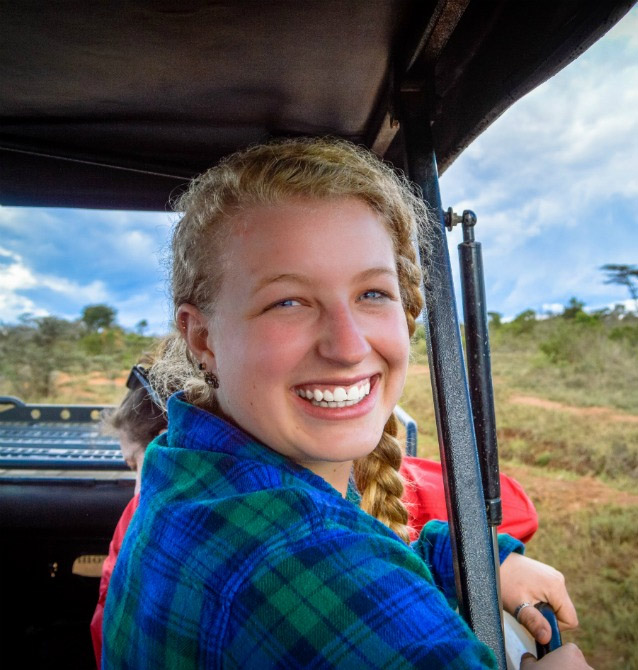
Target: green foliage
[(586, 366), (99, 317), (586, 359), (523, 322), (628, 334), (33, 351), (419, 353), (36, 353), (495, 319), (573, 309)]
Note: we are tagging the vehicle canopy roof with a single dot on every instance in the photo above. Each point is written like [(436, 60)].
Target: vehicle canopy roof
[(116, 105)]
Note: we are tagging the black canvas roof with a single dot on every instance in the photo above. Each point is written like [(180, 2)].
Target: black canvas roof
[(116, 104)]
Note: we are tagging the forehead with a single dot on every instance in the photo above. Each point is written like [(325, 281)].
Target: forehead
[(307, 229)]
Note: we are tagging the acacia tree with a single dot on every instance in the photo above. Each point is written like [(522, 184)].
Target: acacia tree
[(97, 318), (624, 275)]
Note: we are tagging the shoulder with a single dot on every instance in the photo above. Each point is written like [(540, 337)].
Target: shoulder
[(349, 598)]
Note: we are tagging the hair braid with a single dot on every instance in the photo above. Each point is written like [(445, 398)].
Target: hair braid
[(377, 475), (380, 483)]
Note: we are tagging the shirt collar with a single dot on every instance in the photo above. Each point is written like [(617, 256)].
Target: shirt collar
[(190, 427)]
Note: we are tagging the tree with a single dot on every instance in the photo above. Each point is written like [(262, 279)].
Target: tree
[(98, 317), (141, 326), (35, 350), (573, 309), (523, 322), (496, 319), (624, 275)]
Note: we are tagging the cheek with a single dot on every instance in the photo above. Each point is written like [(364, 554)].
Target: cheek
[(262, 354), (394, 342)]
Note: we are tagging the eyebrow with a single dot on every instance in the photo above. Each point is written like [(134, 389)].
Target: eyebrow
[(370, 273)]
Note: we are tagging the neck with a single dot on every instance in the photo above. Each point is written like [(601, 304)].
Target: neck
[(336, 474)]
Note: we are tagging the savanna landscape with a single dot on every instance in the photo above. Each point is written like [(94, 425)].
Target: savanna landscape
[(566, 390)]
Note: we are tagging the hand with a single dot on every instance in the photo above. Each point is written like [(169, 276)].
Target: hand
[(567, 657), (526, 580)]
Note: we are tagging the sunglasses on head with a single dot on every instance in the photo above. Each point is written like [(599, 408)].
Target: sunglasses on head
[(138, 378)]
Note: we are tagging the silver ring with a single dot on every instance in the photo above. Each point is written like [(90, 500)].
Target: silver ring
[(520, 608)]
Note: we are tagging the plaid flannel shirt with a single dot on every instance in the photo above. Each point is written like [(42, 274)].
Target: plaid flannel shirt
[(239, 558)]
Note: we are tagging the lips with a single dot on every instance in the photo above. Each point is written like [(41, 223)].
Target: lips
[(334, 396)]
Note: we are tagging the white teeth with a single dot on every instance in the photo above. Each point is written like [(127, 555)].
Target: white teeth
[(339, 397), (353, 393), (340, 394)]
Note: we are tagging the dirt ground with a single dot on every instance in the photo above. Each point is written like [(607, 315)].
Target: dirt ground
[(601, 412), (568, 495)]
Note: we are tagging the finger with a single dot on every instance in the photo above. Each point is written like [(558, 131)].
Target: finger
[(566, 614), (536, 624), (527, 660)]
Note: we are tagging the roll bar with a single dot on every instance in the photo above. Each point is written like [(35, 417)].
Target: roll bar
[(474, 559)]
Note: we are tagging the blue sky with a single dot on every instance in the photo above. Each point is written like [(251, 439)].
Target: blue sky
[(554, 182)]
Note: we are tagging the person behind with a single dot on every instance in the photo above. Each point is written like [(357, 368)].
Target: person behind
[(270, 530), (139, 418)]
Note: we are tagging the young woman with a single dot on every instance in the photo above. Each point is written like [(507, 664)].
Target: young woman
[(270, 531)]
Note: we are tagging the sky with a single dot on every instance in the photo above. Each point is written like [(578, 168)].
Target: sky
[(554, 184)]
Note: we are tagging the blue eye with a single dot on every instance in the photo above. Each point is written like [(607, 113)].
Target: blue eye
[(374, 295), (290, 302)]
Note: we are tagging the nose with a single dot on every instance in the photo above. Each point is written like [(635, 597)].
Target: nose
[(342, 338)]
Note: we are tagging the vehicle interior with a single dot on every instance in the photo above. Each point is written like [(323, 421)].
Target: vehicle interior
[(117, 105)]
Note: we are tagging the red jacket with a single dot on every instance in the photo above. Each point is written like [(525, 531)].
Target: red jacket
[(425, 499), (107, 571)]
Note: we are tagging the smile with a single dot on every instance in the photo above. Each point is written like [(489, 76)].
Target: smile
[(336, 396)]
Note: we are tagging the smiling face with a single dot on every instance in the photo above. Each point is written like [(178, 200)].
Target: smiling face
[(308, 336)]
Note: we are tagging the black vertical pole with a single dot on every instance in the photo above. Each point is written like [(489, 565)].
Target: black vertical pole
[(471, 542), (479, 367), (479, 372)]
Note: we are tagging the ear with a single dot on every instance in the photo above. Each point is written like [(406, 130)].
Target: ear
[(194, 328)]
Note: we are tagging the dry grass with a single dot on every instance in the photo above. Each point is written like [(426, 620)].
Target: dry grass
[(580, 467)]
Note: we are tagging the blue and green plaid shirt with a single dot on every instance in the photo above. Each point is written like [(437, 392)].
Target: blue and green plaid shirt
[(239, 558)]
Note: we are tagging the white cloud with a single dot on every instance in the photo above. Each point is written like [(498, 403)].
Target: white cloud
[(554, 181), (86, 293), (552, 308), (16, 277)]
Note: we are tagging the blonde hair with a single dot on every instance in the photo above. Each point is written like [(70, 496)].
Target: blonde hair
[(271, 173)]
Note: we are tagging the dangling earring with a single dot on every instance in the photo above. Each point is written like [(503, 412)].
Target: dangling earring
[(209, 377)]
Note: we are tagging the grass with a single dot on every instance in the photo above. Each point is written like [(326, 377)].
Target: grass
[(578, 464), (595, 548)]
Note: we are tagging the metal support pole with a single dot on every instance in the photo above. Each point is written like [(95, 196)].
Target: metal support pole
[(479, 371), (471, 541), (479, 366)]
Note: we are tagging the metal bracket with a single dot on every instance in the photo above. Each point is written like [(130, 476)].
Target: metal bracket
[(468, 218)]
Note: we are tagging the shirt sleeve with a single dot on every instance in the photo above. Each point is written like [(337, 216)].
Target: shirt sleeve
[(347, 602), (435, 549)]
